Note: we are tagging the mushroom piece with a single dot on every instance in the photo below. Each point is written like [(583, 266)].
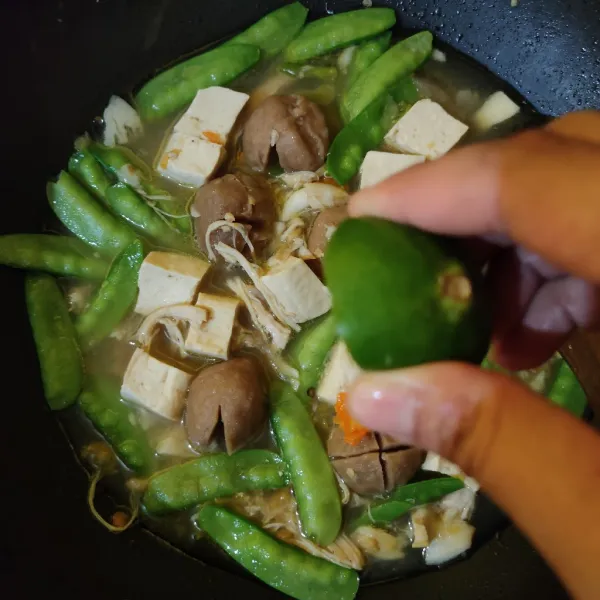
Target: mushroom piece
[(294, 126), (375, 465), (323, 228), (245, 198), (231, 393)]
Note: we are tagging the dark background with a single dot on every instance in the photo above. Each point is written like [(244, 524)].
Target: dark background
[(61, 61)]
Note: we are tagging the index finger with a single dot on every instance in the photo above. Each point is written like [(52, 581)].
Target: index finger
[(540, 188), (456, 195)]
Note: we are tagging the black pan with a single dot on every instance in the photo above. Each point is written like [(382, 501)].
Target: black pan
[(61, 61)]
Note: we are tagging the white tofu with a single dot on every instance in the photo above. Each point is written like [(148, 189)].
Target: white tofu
[(173, 442), (459, 504), (340, 372), (212, 338), (434, 462), (378, 166), (167, 278), (298, 290), (438, 55), (155, 385), (212, 114), (121, 122), (315, 196), (426, 129), (451, 541), (189, 160), (496, 109)]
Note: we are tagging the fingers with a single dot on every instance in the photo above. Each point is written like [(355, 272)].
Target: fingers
[(537, 462), (456, 195), (540, 187)]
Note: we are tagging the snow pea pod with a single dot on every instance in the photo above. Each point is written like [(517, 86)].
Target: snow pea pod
[(58, 254), (405, 498), (365, 55), (310, 349), (172, 89), (282, 566), (55, 340), (367, 130), (101, 402), (274, 31), (127, 168), (213, 476), (81, 214), (128, 205), (399, 61), (310, 471), (337, 31), (114, 298), (89, 172), (566, 391)]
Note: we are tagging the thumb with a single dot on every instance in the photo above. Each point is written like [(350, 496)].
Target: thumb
[(540, 464)]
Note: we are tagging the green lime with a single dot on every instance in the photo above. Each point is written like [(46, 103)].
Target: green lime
[(402, 298)]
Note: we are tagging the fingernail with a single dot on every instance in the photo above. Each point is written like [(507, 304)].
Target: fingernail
[(407, 405)]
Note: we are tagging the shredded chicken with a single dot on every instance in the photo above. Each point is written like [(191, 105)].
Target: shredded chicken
[(379, 543), (277, 333), (346, 494), (298, 179), (172, 315), (276, 512), (226, 225), (293, 242), (232, 256)]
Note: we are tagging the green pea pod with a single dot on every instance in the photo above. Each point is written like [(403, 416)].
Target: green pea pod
[(89, 172), (312, 477), (404, 498), (55, 340), (365, 55), (213, 476), (337, 31), (82, 215), (566, 391), (128, 205), (285, 568), (58, 254), (367, 130), (114, 298), (101, 402), (309, 351), (172, 89), (399, 61), (127, 168), (274, 31)]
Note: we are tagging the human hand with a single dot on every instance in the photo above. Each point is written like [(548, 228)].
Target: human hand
[(530, 205)]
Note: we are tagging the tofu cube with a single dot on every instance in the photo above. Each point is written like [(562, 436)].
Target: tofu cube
[(340, 372), (212, 338), (426, 129), (155, 385), (173, 442), (299, 291), (190, 160), (167, 278), (378, 166), (434, 462), (496, 109), (212, 114)]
